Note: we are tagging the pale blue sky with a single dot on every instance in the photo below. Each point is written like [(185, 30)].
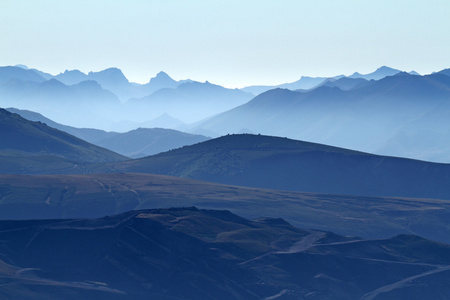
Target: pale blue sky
[(232, 43)]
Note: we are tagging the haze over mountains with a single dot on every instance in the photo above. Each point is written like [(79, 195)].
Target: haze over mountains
[(136, 143), (26, 146), (106, 231), (385, 112), (306, 83), (401, 115), (244, 160), (102, 98)]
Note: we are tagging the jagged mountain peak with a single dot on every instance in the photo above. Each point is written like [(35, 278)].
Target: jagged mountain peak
[(110, 73), (162, 78)]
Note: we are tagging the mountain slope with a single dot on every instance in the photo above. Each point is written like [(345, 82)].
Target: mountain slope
[(148, 141), (97, 195), (186, 253), (88, 134), (304, 83), (345, 83), (135, 143), (9, 73), (284, 164), (23, 138), (363, 118)]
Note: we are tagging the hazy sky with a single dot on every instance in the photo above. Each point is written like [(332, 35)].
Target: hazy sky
[(232, 43)]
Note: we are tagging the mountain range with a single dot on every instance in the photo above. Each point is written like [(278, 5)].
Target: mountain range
[(136, 143), (28, 147), (186, 253), (190, 101), (103, 98), (306, 83), (243, 160), (401, 115), (240, 216)]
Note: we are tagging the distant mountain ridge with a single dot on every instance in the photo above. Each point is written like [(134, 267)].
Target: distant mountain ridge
[(306, 83), (378, 74), (195, 100), (371, 116), (136, 143), (27, 146), (96, 96)]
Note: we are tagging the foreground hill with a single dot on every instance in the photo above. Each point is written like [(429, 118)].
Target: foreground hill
[(97, 195), (186, 253), (382, 117), (23, 141), (284, 164)]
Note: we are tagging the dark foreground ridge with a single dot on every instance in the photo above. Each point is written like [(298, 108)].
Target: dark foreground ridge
[(186, 253), (91, 196)]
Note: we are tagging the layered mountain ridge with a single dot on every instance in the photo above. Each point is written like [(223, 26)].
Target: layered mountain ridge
[(380, 117), (27, 146)]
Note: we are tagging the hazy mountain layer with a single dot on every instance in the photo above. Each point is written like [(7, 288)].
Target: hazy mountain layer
[(186, 253), (378, 74), (23, 140), (95, 96), (148, 141), (136, 143), (190, 102), (376, 116), (8, 73), (113, 79), (62, 103), (306, 83)]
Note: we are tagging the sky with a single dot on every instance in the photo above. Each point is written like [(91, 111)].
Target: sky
[(231, 43)]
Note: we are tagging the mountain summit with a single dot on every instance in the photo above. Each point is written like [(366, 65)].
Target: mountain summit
[(378, 74)]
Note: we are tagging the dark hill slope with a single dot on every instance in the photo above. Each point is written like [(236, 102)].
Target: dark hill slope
[(97, 195), (186, 253), (23, 138), (135, 143), (284, 164), (90, 135)]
